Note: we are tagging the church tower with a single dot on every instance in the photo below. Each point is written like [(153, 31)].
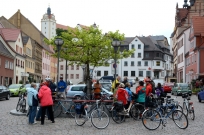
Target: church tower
[(48, 24)]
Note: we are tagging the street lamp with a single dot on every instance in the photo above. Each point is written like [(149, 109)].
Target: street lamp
[(115, 44), (59, 42)]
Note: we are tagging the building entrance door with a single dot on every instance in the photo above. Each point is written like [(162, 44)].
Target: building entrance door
[(156, 74)]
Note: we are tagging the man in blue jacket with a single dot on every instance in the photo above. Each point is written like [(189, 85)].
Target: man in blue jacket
[(62, 87)]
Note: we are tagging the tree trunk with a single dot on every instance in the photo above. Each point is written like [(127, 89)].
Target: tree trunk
[(88, 82)]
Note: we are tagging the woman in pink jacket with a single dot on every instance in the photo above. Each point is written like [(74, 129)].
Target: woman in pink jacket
[(46, 102)]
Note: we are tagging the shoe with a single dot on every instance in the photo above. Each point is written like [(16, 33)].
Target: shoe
[(34, 123), (37, 119), (53, 121), (42, 124)]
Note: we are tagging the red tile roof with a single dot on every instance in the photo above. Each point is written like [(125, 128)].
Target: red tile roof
[(60, 26), (198, 25), (10, 34)]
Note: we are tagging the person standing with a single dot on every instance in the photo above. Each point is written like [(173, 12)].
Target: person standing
[(125, 80), (97, 90), (129, 94), (62, 87), (32, 102), (117, 80), (46, 102)]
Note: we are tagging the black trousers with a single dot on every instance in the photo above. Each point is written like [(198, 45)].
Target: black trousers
[(50, 111)]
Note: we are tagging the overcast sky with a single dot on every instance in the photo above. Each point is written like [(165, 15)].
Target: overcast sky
[(131, 17)]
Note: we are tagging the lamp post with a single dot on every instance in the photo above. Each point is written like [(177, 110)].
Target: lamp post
[(115, 44), (59, 42)]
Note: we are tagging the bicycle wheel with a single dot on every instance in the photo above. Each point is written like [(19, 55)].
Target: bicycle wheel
[(18, 107), (100, 119), (136, 111), (180, 119), (116, 117), (191, 113), (81, 118), (23, 106), (151, 119), (72, 110), (185, 109), (57, 110), (177, 108)]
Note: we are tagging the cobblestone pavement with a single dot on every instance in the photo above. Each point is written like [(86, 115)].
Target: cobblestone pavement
[(18, 125)]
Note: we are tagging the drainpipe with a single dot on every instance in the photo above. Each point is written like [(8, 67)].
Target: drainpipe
[(198, 67), (14, 73), (184, 70)]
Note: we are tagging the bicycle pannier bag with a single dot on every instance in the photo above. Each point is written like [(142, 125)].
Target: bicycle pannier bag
[(118, 106)]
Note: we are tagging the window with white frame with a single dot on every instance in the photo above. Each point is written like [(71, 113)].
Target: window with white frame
[(133, 46), (148, 73), (125, 73), (132, 63), (140, 73), (125, 63), (139, 63), (77, 76), (11, 65), (146, 63), (158, 63), (139, 46), (132, 73), (6, 64), (98, 73), (72, 76), (139, 55)]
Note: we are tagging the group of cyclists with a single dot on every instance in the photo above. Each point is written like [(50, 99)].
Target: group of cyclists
[(143, 91)]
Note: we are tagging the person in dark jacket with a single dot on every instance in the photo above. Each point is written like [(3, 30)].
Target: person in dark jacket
[(62, 87)]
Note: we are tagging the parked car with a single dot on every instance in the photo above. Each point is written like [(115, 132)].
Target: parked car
[(180, 88), (17, 89), (106, 84), (168, 87), (201, 95), (4, 92), (133, 81), (77, 91), (107, 78)]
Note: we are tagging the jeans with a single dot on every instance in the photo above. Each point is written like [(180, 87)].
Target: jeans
[(32, 113), (39, 114)]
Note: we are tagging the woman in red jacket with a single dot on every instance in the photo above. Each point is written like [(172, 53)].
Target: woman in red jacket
[(46, 102)]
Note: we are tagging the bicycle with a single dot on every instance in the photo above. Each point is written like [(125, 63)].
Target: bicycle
[(156, 116), (21, 105), (96, 114), (59, 107), (188, 106)]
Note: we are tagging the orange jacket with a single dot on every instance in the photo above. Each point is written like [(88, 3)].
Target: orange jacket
[(122, 95), (148, 89), (45, 96)]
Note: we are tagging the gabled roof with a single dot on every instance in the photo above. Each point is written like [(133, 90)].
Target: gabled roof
[(148, 41), (60, 26), (4, 51), (1, 25), (198, 25), (160, 37), (127, 40), (10, 34), (83, 26)]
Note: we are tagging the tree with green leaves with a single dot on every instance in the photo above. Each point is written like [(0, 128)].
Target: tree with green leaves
[(89, 46)]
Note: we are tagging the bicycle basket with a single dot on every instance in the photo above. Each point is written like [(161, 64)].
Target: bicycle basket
[(79, 108), (118, 106)]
